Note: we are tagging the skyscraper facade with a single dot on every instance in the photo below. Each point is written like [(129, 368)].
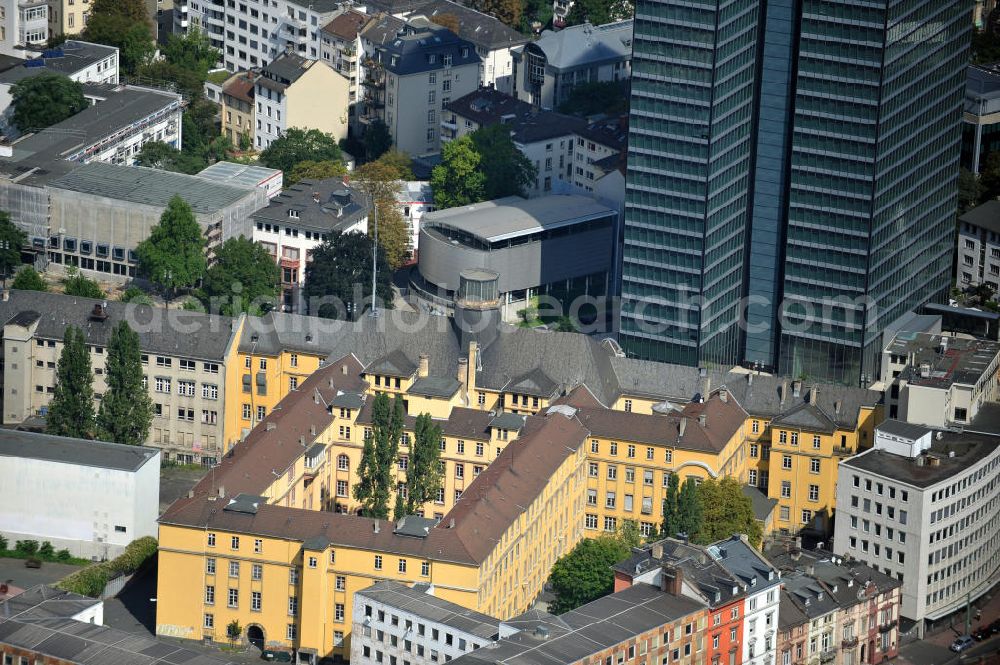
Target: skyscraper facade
[(791, 178)]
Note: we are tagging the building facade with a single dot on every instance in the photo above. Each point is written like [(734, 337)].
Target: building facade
[(904, 506), (90, 497), (979, 247), (736, 217)]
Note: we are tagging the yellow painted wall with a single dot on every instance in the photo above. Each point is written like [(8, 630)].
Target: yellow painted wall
[(319, 99)]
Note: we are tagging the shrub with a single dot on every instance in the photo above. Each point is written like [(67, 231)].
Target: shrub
[(63, 556), (3, 543), (46, 552), (26, 547), (134, 556), (90, 581)]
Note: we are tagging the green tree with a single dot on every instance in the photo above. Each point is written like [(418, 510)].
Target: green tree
[(726, 510), (599, 12), (126, 410), (399, 162), (508, 11), (671, 516), (989, 177), (399, 509), (134, 10), (173, 256), (311, 170), (192, 51), (629, 534), (76, 284), (135, 295), (381, 180), (689, 517), (608, 97), (506, 169), (299, 145), (376, 141), (12, 240), (458, 180), (234, 631), (28, 279), (342, 262), (131, 36), (584, 574), (159, 155), (378, 457), (970, 191), (42, 101), (71, 411), (423, 474), (244, 275)]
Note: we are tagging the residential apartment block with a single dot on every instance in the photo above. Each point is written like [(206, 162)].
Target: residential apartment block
[(185, 360), (293, 91), (545, 138), (24, 27), (978, 259), (411, 77), (600, 149), (342, 50), (90, 497), (413, 199), (238, 109), (939, 380), (547, 70), (920, 506), (394, 620)]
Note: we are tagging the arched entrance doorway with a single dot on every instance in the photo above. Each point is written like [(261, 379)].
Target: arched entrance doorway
[(863, 653), (255, 636)]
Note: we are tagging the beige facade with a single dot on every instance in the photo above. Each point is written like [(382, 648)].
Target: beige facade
[(186, 381), (319, 100), (238, 109), (68, 17)]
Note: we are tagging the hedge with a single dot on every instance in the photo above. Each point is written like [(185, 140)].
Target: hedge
[(91, 580)]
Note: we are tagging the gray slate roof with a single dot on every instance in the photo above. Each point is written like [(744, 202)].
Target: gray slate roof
[(585, 631), (151, 187), (285, 70), (413, 51), (746, 563), (339, 206), (435, 386), (763, 505), (383, 29), (527, 123), (431, 608), (205, 336), (585, 45), (986, 216), (80, 452), (45, 602), (903, 429), (480, 29)]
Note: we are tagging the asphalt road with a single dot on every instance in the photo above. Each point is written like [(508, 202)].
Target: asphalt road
[(50, 573), (925, 653)]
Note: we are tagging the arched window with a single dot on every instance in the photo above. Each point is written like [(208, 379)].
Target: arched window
[(343, 463)]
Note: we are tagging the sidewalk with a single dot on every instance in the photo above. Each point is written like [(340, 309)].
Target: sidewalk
[(988, 605)]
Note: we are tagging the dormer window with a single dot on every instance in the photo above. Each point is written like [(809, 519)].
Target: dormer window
[(432, 58), (293, 214), (447, 60), (465, 52)]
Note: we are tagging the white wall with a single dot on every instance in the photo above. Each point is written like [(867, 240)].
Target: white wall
[(77, 507)]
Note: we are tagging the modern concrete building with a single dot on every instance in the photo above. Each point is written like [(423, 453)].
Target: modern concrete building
[(295, 92), (90, 497), (978, 239), (245, 176), (921, 506), (790, 242), (411, 77), (299, 219), (546, 138), (80, 61), (555, 245), (186, 359), (547, 70), (394, 620), (939, 380)]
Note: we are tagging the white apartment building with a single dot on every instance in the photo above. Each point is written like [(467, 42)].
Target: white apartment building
[(921, 506), (301, 218), (411, 79), (393, 622), (979, 247), (599, 148), (24, 26), (250, 34), (413, 199), (939, 380), (184, 360), (90, 497)]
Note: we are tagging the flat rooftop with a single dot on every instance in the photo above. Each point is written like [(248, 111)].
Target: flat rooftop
[(545, 639), (239, 175), (72, 57), (946, 360), (432, 608), (948, 456), (79, 452), (152, 187), (45, 602), (513, 216)]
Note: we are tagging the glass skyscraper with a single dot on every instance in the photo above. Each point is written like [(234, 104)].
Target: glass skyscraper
[(791, 178)]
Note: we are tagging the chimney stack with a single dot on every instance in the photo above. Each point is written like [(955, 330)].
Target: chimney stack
[(784, 390), (657, 551), (723, 395), (812, 395), (423, 366), (463, 377), (672, 580), (681, 426), (796, 388)]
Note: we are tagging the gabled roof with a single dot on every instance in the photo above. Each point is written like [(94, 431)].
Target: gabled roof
[(536, 382), (585, 44), (347, 25), (425, 51), (805, 416), (394, 363), (241, 86), (480, 29)]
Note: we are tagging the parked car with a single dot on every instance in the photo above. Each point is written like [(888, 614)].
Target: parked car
[(995, 627), (962, 643), (981, 633)]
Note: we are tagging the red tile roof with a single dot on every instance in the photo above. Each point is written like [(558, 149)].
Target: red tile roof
[(240, 86), (347, 25)]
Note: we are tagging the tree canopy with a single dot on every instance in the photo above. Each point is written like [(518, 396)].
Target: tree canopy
[(725, 511), (126, 410), (341, 272), (584, 574), (457, 180), (244, 278), (42, 101), (76, 284), (608, 97), (312, 170), (599, 12), (480, 166), (131, 36), (423, 473), (71, 411), (173, 256), (376, 140), (299, 145), (28, 279), (378, 458), (11, 241), (970, 191), (159, 155), (381, 179)]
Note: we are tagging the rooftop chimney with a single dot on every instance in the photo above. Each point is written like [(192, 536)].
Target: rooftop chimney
[(681, 426), (657, 551), (784, 390), (723, 395), (672, 580), (222, 492), (702, 420), (423, 367), (796, 388), (812, 395)]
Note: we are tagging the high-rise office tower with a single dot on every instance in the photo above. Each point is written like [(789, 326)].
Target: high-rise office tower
[(792, 178)]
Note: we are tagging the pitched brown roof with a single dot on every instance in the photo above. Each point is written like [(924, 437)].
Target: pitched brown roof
[(240, 86), (507, 487), (462, 423), (347, 25)]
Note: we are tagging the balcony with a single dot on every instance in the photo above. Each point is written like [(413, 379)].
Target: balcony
[(828, 655), (842, 451), (886, 627), (849, 643)]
